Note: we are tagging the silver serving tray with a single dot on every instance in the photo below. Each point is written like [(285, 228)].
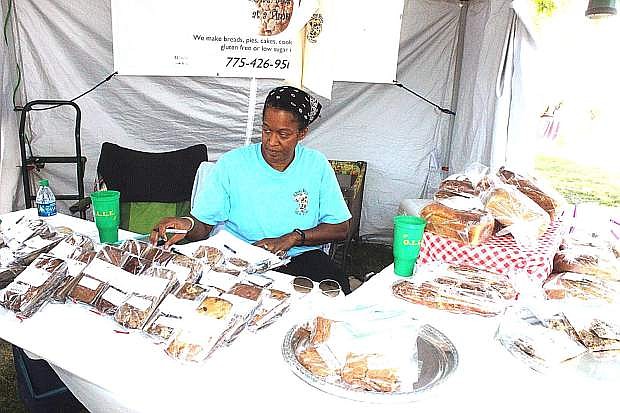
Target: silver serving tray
[(437, 358)]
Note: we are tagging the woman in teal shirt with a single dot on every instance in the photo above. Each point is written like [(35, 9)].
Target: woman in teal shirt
[(276, 194)]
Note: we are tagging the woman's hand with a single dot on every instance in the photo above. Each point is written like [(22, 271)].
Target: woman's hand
[(279, 245), (176, 227)]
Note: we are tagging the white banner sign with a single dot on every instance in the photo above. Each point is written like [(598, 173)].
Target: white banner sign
[(232, 38)]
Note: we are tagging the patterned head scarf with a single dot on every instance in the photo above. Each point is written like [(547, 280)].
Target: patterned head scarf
[(305, 107)]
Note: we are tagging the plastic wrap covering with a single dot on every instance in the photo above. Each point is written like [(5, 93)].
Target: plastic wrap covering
[(471, 227), (458, 289), (31, 289), (543, 194), (582, 286), (588, 260), (521, 216), (540, 341), (362, 348)]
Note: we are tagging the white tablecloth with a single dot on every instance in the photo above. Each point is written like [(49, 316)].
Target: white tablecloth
[(112, 372)]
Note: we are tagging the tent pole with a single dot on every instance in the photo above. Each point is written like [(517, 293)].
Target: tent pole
[(460, 46), (249, 126)]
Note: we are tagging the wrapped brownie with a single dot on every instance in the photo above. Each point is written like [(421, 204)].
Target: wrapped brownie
[(134, 247), (146, 294), (158, 255), (86, 289), (68, 246), (31, 289), (135, 265), (112, 255), (185, 268), (110, 300), (76, 263)]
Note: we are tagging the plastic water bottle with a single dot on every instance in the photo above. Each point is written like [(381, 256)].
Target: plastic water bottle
[(46, 201)]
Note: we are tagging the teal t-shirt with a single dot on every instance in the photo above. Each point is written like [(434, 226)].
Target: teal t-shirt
[(255, 201)]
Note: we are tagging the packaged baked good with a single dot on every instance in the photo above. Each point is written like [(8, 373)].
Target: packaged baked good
[(273, 305), (186, 269), (541, 341), (219, 280), (225, 270), (598, 327), (135, 311), (112, 255), (362, 348), (248, 291), (542, 194), (8, 274), (582, 286), (455, 185), (190, 291), (208, 254), (110, 300), (86, 289), (135, 265), (587, 260), (195, 342), (521, 216), (76, 262), (459, 290), (228, 307), (471, 227), (31, 289), (135, 247), (168, 317), (215, 307), (68, 246), (158, 255), (159, 272)]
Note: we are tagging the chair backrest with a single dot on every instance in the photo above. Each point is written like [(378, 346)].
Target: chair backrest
[(152, 184), (351, 177)]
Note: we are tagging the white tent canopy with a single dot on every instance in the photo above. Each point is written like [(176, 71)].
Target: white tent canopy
[(65, 47)]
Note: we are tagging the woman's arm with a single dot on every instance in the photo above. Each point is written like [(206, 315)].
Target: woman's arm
[(196, 230), (321, 234)]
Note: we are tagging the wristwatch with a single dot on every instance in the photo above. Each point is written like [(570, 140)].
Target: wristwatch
[(301, 234)]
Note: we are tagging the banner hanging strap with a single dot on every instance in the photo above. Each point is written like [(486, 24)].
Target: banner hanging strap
[(249, 127)]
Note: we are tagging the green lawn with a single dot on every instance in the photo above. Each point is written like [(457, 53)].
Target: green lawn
[(580, 182)]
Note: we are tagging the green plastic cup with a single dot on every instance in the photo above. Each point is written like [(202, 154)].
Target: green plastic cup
[(106, 209), (408, 231)]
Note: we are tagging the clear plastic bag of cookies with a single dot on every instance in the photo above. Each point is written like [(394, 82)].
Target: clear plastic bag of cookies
[(32, 288)]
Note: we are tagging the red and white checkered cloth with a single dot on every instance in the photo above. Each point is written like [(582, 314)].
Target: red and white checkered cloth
[(500, 254)]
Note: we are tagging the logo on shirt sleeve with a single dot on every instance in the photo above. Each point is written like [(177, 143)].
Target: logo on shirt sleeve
[(301, 197)]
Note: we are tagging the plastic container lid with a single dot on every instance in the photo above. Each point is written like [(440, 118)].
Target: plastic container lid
[(44, 182)]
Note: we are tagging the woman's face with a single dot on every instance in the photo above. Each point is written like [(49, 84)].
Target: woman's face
[(280, 136)]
